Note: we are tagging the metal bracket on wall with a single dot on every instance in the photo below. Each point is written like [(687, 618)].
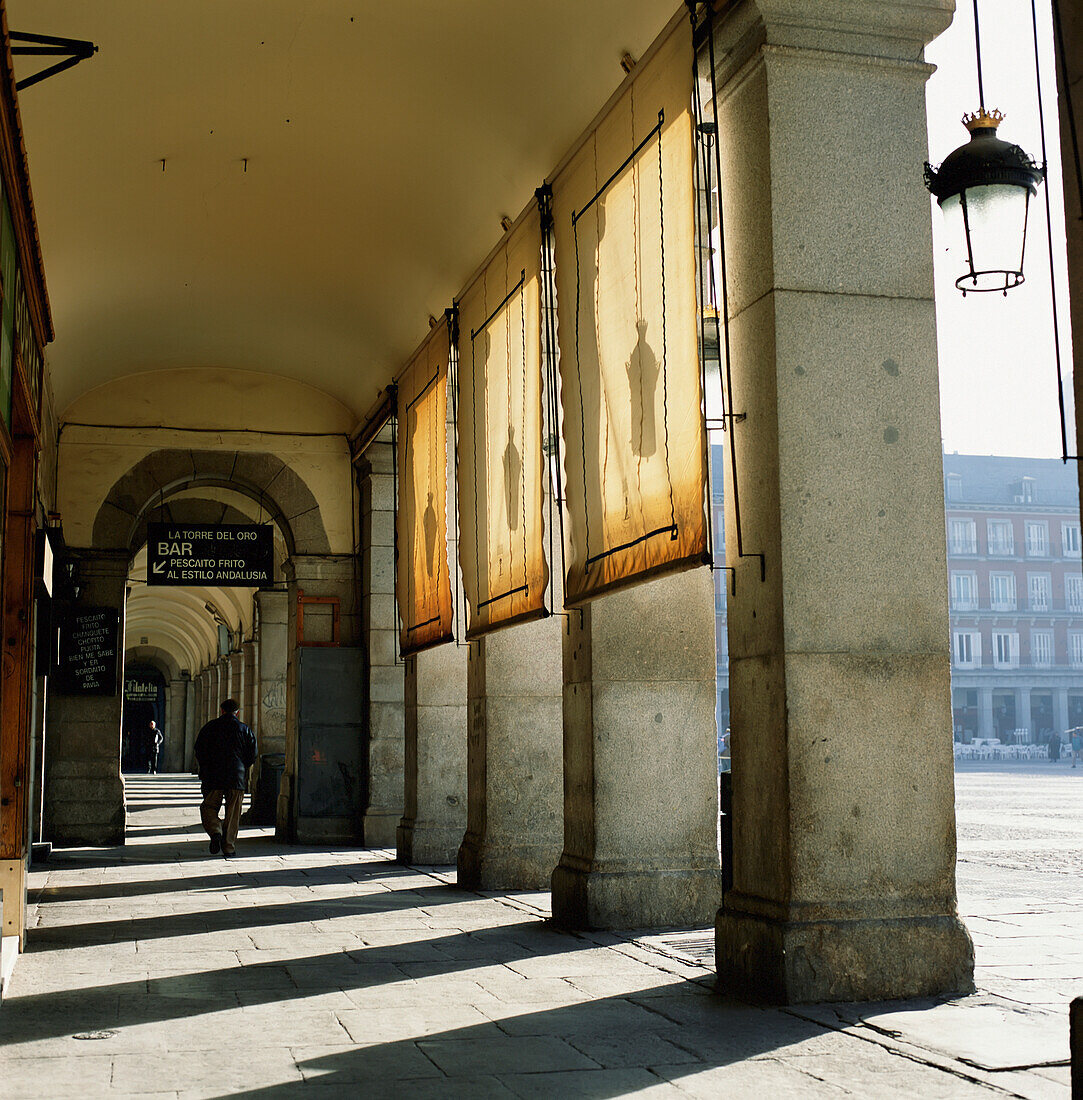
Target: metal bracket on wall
[(73, 50), (304, 601)]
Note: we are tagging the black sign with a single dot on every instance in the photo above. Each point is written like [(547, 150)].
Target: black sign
[(87, 662), (227, 555)]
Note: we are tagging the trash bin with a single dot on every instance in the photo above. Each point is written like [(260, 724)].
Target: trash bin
[(265, 799)]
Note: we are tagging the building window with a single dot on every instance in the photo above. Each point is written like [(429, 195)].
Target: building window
[(1041, 648), (1075, 648), (964, 591), (1005, 649), (954, 483), (962, 537), (966, 649), (1037, 536), (1001, 541), (1002, 591), (1069, 539), (1073, 592), (1040, 591)]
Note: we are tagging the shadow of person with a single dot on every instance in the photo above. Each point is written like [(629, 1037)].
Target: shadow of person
[(643, 372), (429, 523), (513, 469)]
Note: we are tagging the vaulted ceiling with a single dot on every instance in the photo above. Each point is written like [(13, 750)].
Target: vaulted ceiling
[(290, 187)]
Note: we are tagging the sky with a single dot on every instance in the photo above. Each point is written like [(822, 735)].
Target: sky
[(998, 388)]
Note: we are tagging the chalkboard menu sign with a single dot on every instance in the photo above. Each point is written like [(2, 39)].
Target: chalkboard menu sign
[(87, 663)]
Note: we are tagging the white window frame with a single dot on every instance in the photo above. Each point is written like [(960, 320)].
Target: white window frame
[(1008, 604), (1035, 581), (1075, 648), (1036, 537), (1045, 658), (1071, 540), (1000, 548), (966, 648), (1005, 648), (1073, 592), (958, 601), (964, 542), (953, 486)]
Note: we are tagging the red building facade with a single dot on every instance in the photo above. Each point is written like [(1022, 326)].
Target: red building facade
[(1016, 597)]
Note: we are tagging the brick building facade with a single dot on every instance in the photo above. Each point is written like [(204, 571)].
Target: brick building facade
[(1016, 591)]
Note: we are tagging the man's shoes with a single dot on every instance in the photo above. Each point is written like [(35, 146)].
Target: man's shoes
[(216, 844), (228, 855)]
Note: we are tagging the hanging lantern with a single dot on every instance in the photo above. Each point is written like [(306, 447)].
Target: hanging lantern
[(984, 189)]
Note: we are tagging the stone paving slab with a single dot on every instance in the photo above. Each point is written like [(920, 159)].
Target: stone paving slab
[(295, 971)]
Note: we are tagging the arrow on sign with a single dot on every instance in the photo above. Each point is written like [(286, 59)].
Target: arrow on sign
[(158, 567)]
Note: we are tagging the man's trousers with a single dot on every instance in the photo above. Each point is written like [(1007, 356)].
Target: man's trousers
[(208, 812)]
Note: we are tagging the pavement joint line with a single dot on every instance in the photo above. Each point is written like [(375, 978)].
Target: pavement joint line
[(901, 1048)]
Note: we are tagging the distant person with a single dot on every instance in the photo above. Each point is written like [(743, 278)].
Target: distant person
[(1054, 747), (225, 750), (155, 739), (1077, 745)]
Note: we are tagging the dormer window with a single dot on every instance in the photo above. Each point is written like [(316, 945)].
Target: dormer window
[(954, 487)]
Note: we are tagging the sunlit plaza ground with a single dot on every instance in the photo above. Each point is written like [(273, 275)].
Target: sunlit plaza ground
[(158, 970)]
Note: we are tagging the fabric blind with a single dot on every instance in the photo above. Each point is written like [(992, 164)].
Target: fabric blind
[(501, 532), (635, 457), (422, 580)]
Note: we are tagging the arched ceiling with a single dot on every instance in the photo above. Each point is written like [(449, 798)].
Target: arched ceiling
[(384, 142)]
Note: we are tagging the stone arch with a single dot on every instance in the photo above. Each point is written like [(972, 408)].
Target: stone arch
[(122, 518)]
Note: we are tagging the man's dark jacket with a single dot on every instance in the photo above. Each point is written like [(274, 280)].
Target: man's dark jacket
[(225, 749)]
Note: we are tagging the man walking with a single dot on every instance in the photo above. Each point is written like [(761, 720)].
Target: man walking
[(225, 750)]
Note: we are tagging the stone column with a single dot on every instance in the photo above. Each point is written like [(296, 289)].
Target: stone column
[(271, 617), (236, 677), (1023, 718), (515, 794), (434, 814), (384, 701), (640, 759), (217, 690), (84, 792), (173, 749), (985, 712), (843, 784), (1060, 710), (210, 690), (248, 688), (192, 723)]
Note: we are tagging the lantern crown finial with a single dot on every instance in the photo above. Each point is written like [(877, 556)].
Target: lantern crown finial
[(982, 119)]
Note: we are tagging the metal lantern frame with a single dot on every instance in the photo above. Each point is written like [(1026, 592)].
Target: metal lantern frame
[(986, 161)]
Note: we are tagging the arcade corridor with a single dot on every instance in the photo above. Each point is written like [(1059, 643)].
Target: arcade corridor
[(158, 970)]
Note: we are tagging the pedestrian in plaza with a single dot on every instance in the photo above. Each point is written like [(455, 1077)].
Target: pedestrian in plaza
[(1077, 745), (154, 740), (225, 750), (1054, 746)]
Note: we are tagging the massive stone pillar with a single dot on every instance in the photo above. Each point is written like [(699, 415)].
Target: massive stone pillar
[(843, 795), (640, 759), (434, 814), (272, 624), (192, 721), (210, 691), (172, 757), (384, 701), (985, 712), (248, 687), (515, 795), (1023, 721), (84, 793), (235, 661), (1060, 711)]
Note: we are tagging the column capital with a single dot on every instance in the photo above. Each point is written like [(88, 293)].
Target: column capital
[(895, 29)]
